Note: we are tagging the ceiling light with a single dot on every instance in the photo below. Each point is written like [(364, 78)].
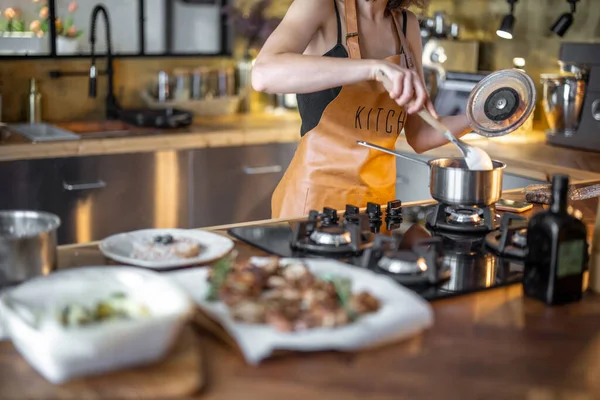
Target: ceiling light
[(508, 22), (564, 22)]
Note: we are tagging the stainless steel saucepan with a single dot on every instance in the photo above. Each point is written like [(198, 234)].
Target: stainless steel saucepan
[(452, 182), (27, 245)]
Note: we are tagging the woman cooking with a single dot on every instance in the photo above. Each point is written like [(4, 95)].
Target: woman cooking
[(331, 53)]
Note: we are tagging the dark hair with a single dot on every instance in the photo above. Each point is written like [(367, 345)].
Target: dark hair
[(394, 5)]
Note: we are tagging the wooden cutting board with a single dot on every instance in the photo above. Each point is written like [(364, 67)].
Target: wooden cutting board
[(181, 373)]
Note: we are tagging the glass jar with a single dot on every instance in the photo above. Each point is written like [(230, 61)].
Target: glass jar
[(182, 87), (226, 82), (199, 83), (163, 92)]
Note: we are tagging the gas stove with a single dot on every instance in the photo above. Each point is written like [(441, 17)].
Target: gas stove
[(436, 250)]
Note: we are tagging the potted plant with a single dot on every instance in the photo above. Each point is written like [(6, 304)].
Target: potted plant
[(13, 21), (14, 38), (67, 39)]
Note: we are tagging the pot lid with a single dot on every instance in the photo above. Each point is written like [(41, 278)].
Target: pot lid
[(501, 102)]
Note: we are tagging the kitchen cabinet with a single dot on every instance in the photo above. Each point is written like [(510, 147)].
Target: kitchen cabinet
[(412, 181), (235, 184), (97, 196), (108, 194), (30, 184)]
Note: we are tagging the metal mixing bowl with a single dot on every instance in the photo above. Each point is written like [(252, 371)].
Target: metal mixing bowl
[(563, 101)]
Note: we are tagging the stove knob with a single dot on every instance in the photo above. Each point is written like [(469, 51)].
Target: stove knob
[(352, 213), (330, 216), (352, 210), (374, 211), (394, 209)]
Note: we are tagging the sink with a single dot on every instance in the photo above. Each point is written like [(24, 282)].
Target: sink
[(42, 132), (412, 179)]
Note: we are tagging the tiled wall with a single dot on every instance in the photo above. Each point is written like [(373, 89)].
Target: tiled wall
[(532, 37), (66, 99)]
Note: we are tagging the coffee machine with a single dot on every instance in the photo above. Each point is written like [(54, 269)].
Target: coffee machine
[(572, 98)]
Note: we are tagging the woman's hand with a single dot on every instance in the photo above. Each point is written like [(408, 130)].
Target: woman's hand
[(404, 86)]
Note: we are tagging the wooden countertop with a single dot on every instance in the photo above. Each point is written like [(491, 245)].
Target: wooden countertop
[(494, 345), (235, 130)]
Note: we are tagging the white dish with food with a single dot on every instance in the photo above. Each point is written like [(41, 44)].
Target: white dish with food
[(89, 320), (273, 304), (166, 248)]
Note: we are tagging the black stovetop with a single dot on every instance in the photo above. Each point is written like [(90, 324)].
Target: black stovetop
[(472, 265)]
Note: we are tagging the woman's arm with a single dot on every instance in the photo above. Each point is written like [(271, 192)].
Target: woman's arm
[(420, 135), (281, 66)]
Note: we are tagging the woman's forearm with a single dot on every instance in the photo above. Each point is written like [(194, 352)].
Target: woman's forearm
[(298, 73), (423, 137)]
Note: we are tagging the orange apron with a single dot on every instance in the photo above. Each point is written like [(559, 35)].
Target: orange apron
[(329, 169)]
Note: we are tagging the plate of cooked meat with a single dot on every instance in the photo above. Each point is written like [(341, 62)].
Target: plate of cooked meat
[(269, 303), (166, 248)]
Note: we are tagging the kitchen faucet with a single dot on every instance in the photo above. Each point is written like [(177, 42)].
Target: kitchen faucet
[(112, 107)]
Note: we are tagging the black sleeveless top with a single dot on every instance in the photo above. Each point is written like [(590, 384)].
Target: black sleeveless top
[(312, 105)]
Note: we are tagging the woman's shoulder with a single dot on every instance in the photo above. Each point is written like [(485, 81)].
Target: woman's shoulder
[(319, 8), (412, 22), (410, 16)]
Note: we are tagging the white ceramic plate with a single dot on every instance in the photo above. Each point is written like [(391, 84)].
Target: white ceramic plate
[(402, 314), (119, 247)]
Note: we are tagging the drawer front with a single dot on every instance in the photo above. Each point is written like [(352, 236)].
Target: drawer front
[(30, 184), (105, 195), (235, 184)]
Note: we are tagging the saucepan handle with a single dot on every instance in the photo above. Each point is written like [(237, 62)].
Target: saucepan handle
[(392, 152)]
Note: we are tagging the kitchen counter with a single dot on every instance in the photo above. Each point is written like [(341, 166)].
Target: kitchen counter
[(530, 153), (528, 157), (494, 345), (235, 130)]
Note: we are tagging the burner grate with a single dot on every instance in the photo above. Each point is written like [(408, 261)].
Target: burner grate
[(511, 239), (322, 233), (460, 219), (418, 266)]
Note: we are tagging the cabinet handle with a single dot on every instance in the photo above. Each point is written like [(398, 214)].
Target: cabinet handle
[(269, 169), (73, 187), (596, 110)]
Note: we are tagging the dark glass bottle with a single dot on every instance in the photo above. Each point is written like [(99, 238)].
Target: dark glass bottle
[(558, 251)]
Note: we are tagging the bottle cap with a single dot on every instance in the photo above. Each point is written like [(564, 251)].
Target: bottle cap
[(560, 182)]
